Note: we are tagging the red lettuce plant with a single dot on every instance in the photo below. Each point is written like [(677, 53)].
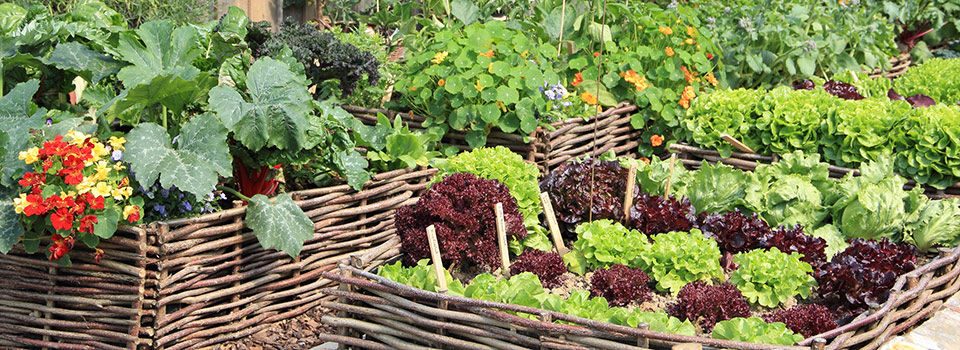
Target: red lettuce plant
[(653, 214), (707, 305), (863, 274), (547, 265), (461, 209), (570, 189), (794, 240), (734, 232), (620, 285), (808, 320), (842, 90)]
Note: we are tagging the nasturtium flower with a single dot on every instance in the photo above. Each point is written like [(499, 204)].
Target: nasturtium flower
[(666, 30), (711, 79), (117, 142), (30, 156), (688, 41), (441, 82), (131, 213), (101, 189), (638, 81), (439, 57), (62, 219), (477, 85), (687, 96), (577, 79), (656, 140), (60, 246), (687, 75), (669, 51), (588, 98), (487, 54), (596, 54), (691, 32), (76, 137)]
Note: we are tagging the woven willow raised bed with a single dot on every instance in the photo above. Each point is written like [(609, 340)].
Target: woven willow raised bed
[(608, 130), (692, 156), (196, 282), (377, 313)]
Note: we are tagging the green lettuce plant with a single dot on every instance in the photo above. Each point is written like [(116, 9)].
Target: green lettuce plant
[(938, 223), (421, 276), (677, 258), (938, 78), (770, 277), (755, 330), (603, 243)]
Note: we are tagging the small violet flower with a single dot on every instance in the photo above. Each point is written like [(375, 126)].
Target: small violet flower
[(116, 156)]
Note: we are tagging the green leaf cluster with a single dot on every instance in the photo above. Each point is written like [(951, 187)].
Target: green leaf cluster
[(874, 204), (677, 258), (755, 330), (396, 147), (770, 277), (602, 243), (421, 276), (938, 78)]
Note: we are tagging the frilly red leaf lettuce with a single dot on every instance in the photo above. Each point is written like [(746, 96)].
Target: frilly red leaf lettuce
[(546, 265), (863, 274), (654, 214), (707, 305), (808, 320), (620, 285), (570, 189)]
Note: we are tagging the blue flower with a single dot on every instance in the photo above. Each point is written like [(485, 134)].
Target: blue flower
[(116, 155), (160, 209), (186, 206), (165, 193), (175, 138)]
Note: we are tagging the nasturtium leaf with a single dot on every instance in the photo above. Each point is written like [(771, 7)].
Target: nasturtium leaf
[(106, 224), (489, 113), (465, 10), (15, 124), (277, 111), (279, 224), (476, 138), (91, 65), (10, 227), (507, 95), (201, 154)]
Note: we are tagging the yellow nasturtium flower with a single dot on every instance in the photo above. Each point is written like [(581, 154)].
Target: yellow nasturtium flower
[(117, 142), (439, 57), (30, 156)]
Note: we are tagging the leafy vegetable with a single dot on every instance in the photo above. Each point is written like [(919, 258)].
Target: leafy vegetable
[(734, 231), (874, 205), (677, 258), (936, 78), (863, 274), (755, 330), (654, 214), (548, 266), (771, 277), (571, 185), (811, 249), (718, 188), (658, 321), (521, 289), (461, 209), (730, 112), (938, 224), (620, 285), (604, 243), (707, 305), (279, 223), (420, 276), (807, 320)]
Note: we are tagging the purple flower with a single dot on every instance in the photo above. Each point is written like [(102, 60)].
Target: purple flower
[(49, 121), (160, 209), (175, 138), (116, 155), (566, 103), (165, 193), (186, 206)]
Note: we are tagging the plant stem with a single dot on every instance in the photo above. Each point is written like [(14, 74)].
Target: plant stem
[(234, 192), (164, 114)]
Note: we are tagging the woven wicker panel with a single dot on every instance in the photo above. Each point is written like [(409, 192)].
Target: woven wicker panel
[(692, 157), (377, 313), (608, 130), (898, 66), (88, 305), (216, 283)]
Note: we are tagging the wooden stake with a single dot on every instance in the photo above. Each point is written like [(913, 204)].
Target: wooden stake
[(736, 143), (552, 223), (502, 238), (628, 196), (437, 261), (673, 162)]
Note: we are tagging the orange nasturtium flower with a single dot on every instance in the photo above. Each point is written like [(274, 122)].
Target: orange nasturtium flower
[(669, 51), (488, 54), (589, 98), (632, 77), (666, 30), (687, 96), (477, 85), (691, 32), (711, 79), (688, 41), (577, 79), (690, 77), (596, 54), (656, 140), (441, 82)]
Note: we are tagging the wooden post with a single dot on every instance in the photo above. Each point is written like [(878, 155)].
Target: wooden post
[(437, 261), (552, 224), (673, 162), (628, 195), (502, 238)]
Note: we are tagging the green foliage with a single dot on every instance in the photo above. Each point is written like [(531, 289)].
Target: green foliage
[(937, 78), (729, 112), (521, 289), (755, 330), (652, 177), (279, 223), (421, 276), (718, 188), (771, 277), (874, 204), (17, 117), (603, 243), (938, 224), (194, 164), (677, 258), (368, 94), (835, 241), (400, 148), (459, 89), (796, 190)]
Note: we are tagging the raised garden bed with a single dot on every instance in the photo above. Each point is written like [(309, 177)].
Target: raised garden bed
[(609, 130), (692, 156), (196, 282)]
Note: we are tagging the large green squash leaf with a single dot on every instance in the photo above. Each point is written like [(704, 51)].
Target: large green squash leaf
[(163, 51), (89, 64), (10, 228), (200, 154), (275, 111), (15, 124), (279, 224)]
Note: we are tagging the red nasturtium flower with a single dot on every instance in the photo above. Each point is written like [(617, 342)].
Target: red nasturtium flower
[(577, 79), (98, 255), (596, 54), (60, 247)]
